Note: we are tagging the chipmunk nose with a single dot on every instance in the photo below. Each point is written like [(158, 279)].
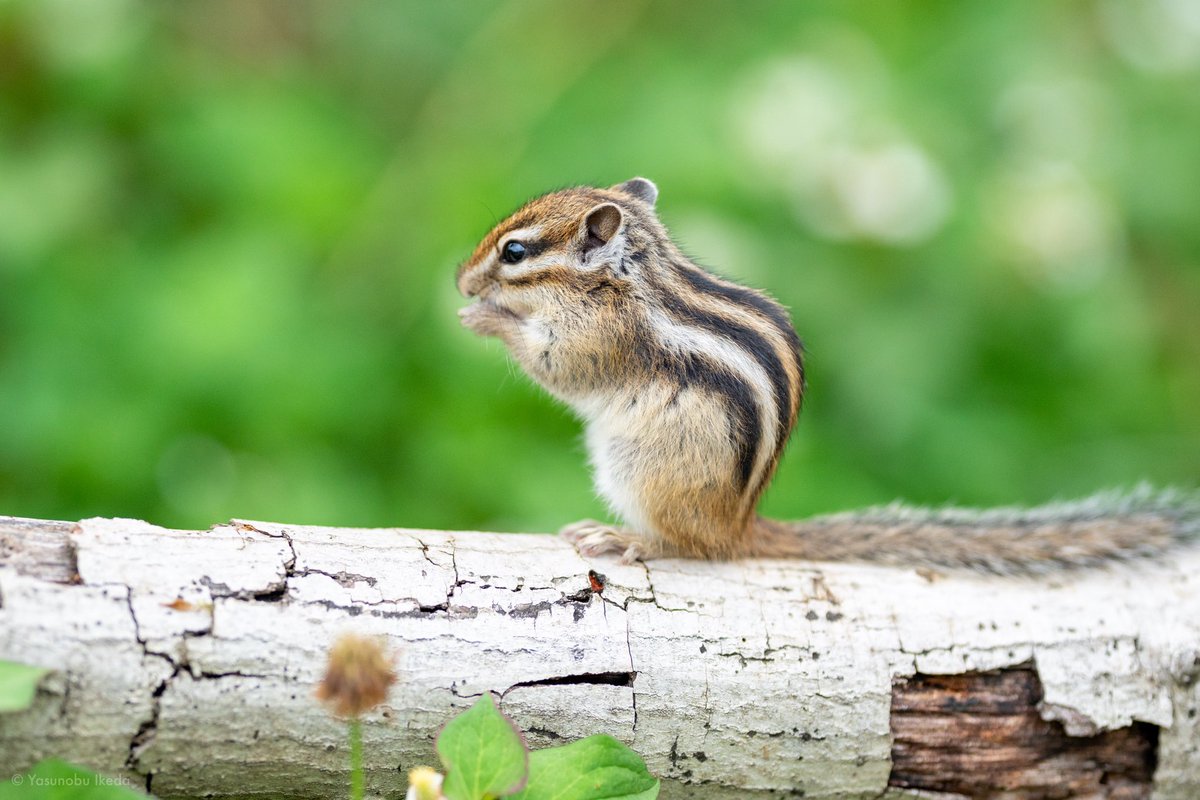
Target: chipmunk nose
[(471, 279)]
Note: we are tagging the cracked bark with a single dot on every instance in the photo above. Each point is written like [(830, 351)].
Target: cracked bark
[(185, 661)]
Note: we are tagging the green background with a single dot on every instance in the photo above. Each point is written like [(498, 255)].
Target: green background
[(228, 233)]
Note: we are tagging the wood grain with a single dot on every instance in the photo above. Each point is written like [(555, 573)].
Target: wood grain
[(38, 548), (979, 735)]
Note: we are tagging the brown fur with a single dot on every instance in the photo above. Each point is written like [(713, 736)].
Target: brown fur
[(1107, 527)]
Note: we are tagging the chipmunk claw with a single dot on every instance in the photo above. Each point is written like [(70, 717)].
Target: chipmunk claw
[(633, 554)]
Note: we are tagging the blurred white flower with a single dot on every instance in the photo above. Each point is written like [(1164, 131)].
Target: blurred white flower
[(851, 173), (893, 193), (1154, 35), (792, 112), (424, 783), (1057, 225)]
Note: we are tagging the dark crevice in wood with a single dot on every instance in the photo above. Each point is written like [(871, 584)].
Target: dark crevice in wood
[(979, 735), (585, 679)]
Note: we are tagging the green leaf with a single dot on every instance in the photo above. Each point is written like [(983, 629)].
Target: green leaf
[(483, 753), (595, 768), (18, 685), (53, 779)]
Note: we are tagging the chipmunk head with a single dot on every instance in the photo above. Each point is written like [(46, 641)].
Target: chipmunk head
[(554, 282)]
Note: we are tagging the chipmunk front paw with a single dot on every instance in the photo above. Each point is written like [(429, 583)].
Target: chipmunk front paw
[(592, 538)]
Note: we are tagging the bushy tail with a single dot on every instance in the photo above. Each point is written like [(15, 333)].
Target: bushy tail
[(1111, 526)]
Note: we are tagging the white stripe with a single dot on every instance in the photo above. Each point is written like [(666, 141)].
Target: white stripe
[(680, 338)]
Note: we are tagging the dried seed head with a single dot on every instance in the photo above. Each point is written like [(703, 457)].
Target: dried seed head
[(358, 676)]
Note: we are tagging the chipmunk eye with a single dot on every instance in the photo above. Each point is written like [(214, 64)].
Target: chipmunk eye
[(512, 252)]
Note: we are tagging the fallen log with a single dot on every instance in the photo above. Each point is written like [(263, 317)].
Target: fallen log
[(185, 661)]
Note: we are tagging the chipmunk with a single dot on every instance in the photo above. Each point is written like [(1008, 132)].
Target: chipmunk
[(689, 386)]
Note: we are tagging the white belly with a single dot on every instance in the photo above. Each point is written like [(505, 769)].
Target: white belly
[(614, 449)]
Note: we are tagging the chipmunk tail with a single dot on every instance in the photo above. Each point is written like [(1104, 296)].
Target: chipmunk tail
[(1112, 526)]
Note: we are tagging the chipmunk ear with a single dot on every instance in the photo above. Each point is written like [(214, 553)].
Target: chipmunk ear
[(641, 188), (602, 224)]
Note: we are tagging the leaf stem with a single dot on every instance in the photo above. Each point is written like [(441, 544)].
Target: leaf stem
[(356, 759)]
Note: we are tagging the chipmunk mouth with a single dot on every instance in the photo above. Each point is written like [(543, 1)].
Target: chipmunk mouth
[(484, 310), (499, 308)]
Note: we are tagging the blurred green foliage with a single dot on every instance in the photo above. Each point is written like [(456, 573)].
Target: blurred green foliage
[(228, 232)]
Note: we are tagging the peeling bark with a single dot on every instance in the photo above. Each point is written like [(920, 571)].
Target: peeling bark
[(186, 660)]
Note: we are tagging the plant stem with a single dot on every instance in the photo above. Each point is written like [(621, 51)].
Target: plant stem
[(356, 761)]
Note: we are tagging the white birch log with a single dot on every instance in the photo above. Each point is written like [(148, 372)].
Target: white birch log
[(186, 660)]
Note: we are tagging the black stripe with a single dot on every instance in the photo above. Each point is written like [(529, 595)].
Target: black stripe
[(749, 340), (747, 298), (549, 274), (698, 371)]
